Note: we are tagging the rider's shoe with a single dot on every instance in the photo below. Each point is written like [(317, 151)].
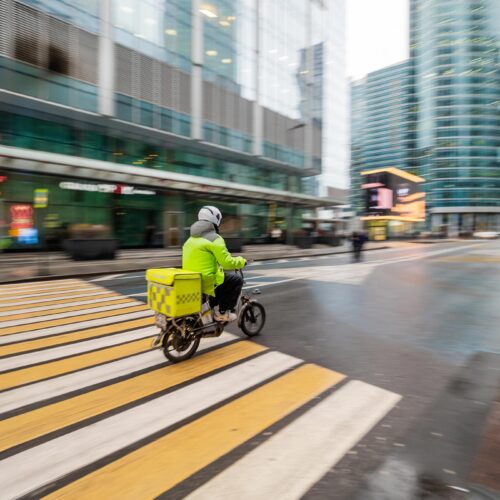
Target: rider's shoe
[(225, 317)]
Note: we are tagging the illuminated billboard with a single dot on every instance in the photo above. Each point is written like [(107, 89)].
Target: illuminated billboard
[(393, 194)]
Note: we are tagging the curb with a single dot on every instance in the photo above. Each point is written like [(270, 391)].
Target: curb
[(142, 268)]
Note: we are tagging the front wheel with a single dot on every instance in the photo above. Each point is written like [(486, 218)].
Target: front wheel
[(176, 348), (253, 318)]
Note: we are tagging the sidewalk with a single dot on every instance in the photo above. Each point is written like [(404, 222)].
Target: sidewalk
[(33, 266)]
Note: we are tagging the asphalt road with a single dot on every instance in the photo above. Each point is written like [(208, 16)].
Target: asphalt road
[(412, 336)]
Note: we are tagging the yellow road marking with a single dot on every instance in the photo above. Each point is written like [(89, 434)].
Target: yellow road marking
[(36, 314), (470, 258), (59, 367), (43, 284), (50, 302), (17, 430), (160, 465), (72, 319), (30, 345), (45, 289), (46, 297)]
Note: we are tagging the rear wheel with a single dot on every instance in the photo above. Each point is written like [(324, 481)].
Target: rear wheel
[(253, 318), (179, 343)]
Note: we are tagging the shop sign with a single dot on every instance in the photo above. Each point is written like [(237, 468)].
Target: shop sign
[(28, 236), (41, 198), (105, 188), (21, 217)]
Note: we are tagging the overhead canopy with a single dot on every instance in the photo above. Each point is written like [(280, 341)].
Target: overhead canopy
[(395, 171), (41, 162)]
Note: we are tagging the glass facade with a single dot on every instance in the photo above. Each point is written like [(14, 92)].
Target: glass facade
[(335, 120), (449, 106), (454, 56), (379, 133), (118, 81), (82, 13)]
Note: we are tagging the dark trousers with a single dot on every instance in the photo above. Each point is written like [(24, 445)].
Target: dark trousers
[(357, 251), (228, 292)]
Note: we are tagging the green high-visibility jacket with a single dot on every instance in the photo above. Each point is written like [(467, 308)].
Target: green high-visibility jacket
[(205, 252)]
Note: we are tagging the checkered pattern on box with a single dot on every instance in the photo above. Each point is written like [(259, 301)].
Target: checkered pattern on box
[(156, 298), (188, 298)]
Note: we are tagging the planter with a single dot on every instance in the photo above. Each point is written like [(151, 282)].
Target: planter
[(303, 241), (330, 240), (234, 244), (92, 249), (333, 241)]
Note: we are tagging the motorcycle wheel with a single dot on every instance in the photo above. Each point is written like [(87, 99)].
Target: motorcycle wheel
[(253, 318)]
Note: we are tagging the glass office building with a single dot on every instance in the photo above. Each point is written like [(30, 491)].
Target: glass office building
[(379, 125), (133, 113), (335, 150), (454, 58)]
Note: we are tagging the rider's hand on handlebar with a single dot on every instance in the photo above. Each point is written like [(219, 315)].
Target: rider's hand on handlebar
[(248, 262)]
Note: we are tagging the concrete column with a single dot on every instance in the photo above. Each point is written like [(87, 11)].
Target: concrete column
[(289, 224), (106, 60), (257, 108), (308, 132), (197, 72)]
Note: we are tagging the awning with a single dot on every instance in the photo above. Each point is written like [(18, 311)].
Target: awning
[(41, 162)]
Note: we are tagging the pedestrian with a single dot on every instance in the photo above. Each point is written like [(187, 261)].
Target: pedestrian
[(357, 241)]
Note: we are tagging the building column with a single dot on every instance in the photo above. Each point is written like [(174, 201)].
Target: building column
[(308, 131), (197, 71), (257, 123), (106, 60), (289, 224)]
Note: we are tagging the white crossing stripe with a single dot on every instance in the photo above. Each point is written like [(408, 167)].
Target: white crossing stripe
[(108, 277), (294, 459), (64, 384), (92, 293), (109, 298), (34, 292), (27, 321), (45, 463), (20, 360), (35, 285), (54, 330)]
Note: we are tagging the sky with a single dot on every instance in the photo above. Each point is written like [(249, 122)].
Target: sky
[(377, 35)]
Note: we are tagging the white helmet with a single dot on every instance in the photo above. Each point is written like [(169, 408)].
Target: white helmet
[(210, 214)]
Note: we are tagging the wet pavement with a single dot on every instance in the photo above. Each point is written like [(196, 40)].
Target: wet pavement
[(419, 323), (422, 322)]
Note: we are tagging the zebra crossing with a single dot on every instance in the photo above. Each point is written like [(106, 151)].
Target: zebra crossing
[(88, 410)]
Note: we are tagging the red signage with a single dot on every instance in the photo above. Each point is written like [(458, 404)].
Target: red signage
[(21, 217)]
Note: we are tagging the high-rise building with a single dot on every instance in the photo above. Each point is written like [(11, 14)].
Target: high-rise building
[(379, 125), (134, 113), (450, 134), (454, 113), (335, 150)]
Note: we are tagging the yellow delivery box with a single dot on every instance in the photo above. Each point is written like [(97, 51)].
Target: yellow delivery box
[(174, 292)]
